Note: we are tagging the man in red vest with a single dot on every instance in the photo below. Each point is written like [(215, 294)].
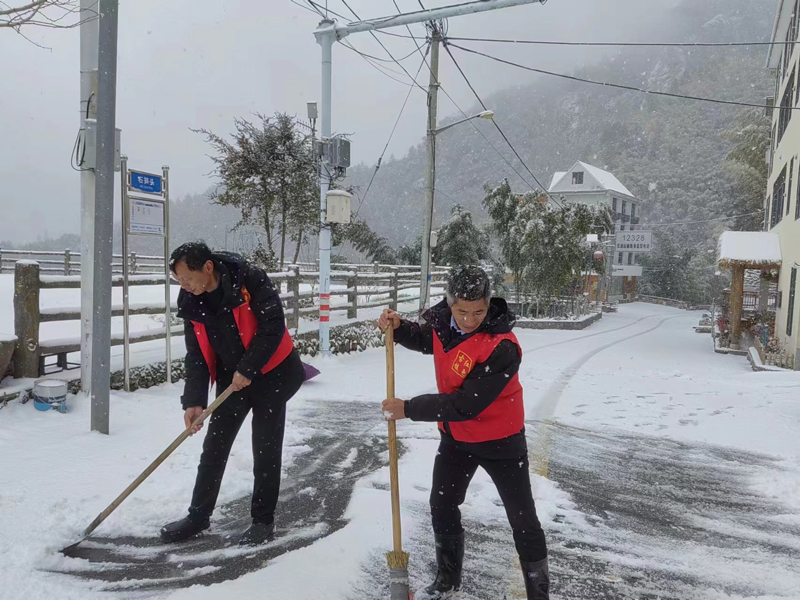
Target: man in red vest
[(235, 335), (481, 419)]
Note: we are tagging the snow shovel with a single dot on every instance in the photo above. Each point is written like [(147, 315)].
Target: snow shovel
[(397, 559), (148, 471)]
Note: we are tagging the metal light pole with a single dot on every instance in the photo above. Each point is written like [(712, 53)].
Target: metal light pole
[(327, 32), (430, 175), (103, 216)]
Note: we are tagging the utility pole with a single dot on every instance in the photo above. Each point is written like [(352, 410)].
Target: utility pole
[(325, 35), (89, 30), (430, 174), (328, 32), (104, 215)]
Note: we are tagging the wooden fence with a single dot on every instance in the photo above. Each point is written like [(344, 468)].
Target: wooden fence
[(378, 289), (69, 263)]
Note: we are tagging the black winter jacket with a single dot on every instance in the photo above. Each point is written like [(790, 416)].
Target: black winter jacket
[(480, 388), (265, 302)]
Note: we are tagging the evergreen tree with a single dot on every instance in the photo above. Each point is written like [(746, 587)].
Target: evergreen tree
[(268, 172), (460, 241)]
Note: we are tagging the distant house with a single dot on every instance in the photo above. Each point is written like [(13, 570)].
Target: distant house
[(588, 184)]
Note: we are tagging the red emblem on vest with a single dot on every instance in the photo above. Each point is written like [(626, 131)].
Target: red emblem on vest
[(462, 365)]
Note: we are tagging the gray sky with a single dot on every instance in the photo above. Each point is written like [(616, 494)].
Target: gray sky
[(199, 63)]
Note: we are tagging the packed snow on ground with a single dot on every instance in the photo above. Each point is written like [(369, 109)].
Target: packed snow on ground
[(642, 370)]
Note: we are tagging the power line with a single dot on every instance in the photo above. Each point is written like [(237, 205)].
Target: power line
[(386, 147), (500, 154), (623, 44), (616, 85), (381, 68), (499, 129), (327, 10), (315, 11), (452, 100), (375, 37), (386, 60)]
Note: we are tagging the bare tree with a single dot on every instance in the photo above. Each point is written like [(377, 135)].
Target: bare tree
[(54, 14)]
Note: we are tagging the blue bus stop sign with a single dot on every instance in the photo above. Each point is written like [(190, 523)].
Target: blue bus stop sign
[(146, 182)]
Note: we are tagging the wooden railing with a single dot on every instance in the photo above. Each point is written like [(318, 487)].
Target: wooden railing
[(379, 289), (67, 262)]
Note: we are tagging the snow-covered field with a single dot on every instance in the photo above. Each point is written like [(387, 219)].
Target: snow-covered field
[(641, 374)]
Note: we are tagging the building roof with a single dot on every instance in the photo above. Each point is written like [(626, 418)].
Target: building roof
[(751, 249), (603, 179), (556, 178)]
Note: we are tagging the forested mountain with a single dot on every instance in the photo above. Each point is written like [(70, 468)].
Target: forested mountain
[(670, 152)]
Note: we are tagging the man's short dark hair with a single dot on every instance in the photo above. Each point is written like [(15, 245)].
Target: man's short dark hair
[(468, 283), (194, 254)]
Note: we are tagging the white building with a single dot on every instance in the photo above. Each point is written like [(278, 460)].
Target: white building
[(782, 206), (588, 184)]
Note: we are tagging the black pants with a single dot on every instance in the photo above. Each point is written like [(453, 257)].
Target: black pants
[(454, 468), (267, 398)]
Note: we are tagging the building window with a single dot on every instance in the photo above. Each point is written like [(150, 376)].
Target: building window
[(577, 178), (796, 200), (630, 258), (789, 187), (786, 107), (790, 308), (622, 227), (778, 196), (620, 258), (613, 205)]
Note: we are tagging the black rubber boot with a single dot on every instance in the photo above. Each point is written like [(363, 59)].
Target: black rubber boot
[(258, 533), (449, 558), (181, 530), (537, 579)]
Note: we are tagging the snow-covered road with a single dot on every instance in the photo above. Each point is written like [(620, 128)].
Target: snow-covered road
[(663, 471)]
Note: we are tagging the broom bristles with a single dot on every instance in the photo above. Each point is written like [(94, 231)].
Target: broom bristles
[(397, 560)]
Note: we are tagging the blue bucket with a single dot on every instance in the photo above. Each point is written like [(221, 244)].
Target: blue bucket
[(50, 394)]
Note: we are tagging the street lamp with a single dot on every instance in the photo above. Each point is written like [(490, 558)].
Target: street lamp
[(486, 114), (427, 215)]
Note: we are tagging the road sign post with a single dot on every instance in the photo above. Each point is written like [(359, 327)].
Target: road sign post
[(148, 216)]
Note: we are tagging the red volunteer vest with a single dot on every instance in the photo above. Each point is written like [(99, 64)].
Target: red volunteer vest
[(503, 417), (247, 324)]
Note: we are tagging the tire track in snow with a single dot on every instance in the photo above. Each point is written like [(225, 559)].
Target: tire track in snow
[(591, 335), (547, 405)]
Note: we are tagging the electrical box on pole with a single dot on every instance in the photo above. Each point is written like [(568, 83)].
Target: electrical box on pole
[(338, 206), (87, 150)]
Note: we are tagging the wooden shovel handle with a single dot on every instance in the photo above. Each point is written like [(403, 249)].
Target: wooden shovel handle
[(161, 458), (393, 458)]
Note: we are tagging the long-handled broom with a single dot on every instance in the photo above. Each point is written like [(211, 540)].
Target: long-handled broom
[(397, 559), (147, 472)]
